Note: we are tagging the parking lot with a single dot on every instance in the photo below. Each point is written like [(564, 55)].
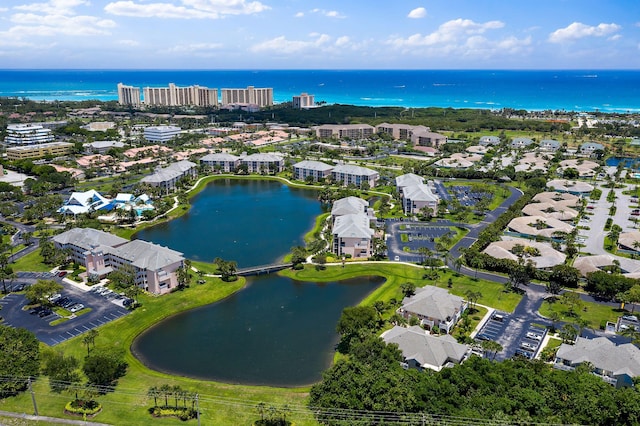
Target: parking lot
[(515, 338), (102, 310), (416, 235)]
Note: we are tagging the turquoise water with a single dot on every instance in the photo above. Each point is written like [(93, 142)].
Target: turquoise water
[(575, 90)]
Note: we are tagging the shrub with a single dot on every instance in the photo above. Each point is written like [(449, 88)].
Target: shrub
[(81, 407), (183, 414)]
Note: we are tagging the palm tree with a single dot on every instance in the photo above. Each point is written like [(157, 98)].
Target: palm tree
[(165, 390), (154, 393), (491, 348)]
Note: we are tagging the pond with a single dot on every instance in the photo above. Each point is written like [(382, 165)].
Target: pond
[(276, 331), (253, 222), (631, 163)]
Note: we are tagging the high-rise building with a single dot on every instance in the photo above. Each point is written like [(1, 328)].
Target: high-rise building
[(128, 95), (26, 134), (303, 101), (181, 96), (262, 97)]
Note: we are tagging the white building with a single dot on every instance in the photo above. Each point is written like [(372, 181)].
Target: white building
[(167, 177), (221, 161), (181, 96), (263, 97), (85, 202), (417, 197), (27, 134), (263, 163), (348, 174), (352, 236), (303, 101), (161, 133), (128, 95), (316, 169)]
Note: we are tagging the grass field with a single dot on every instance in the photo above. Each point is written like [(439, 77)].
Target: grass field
[(594, 313)]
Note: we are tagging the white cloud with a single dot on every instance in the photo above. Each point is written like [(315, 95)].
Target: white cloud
[(299, 15), (55, 17), (327, 13), (578, 30), (317, 43), (187, 9), (130, 43), (449, 32), (3, 9), (417, 13), (461, 37), (615, 37), (194, 48)]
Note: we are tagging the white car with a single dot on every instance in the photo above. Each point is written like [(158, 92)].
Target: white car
[(533, 336), (76, 308), (397, 258), (528, 346)]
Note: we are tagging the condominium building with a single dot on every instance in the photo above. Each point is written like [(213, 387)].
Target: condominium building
[(167, 177), (263, 163), (128, 95), (161, 133), (221, 161), (181, 96), (263, 97), (316, 169), (400, 131), (344, 131), (54, 149), (26, 134), (352, 236), (356, 175), (155, 267), (303, 101)]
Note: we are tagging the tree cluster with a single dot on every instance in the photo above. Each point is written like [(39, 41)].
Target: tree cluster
[(19, 359)]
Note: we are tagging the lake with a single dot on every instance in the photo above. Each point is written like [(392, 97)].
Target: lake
[(253, 222), (276, 331)]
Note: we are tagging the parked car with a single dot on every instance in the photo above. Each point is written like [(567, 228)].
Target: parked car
[(528, 346), (533, 336), (62, 301), (62, 273), (77, 307), (45, 312), (55, 297), (127, 302)]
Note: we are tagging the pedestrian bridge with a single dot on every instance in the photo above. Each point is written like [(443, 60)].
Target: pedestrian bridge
[(263, 269)]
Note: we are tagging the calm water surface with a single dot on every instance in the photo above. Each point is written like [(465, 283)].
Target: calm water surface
[(276, 331), (254, 222)]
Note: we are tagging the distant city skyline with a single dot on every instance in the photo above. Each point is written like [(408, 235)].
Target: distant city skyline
[(314, 34)]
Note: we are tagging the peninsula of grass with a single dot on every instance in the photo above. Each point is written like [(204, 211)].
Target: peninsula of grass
[(493, 294), (593, 313)]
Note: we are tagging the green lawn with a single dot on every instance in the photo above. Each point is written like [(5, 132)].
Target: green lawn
[(396, 274), (32, 263), (594, 313)]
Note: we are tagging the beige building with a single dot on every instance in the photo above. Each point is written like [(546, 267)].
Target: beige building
[(54, 149), (344, 131), (303, 101), (181, 96), (262, 97), (352, 236), (128, 95)]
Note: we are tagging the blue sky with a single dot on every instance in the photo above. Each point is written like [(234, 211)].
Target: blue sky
[(315, 34)]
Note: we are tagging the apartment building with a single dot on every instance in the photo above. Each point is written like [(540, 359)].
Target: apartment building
[(181, 96), (27, 134), (167, 177), (400, 131), (316, 169), (221, 161), (303, 101), (155, 267), (161, 133), (128, 95), (262, 97), (263, 163), (356, 175), (352, 236), (344, 131), (54, 149)]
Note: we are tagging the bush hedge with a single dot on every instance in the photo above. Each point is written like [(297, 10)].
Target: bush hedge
[(82, 407)]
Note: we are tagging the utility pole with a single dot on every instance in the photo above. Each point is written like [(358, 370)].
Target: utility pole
[(33, 397), (197, 409)]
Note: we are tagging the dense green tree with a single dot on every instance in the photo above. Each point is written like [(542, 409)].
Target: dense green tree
[(353, 322), (562, 276), (104, 368), (19, 359), (62, 370), (41, 290)]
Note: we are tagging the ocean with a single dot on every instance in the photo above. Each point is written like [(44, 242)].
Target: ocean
[(575, 90)]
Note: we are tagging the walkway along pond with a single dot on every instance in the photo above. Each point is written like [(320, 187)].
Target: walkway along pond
[(276, 331)]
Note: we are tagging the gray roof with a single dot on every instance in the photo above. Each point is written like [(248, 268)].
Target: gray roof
[(604, 354), (263, 158), (354, 170), (521, 141), (221, 156), (408, 179), (591, 146), (419, 192), (172, 171), (181, 166), (427, 350), (349, 205), (146, 255), (550, 142), (433, 302), (313, 165), (88, 238), (352, 226), (104, 144)]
